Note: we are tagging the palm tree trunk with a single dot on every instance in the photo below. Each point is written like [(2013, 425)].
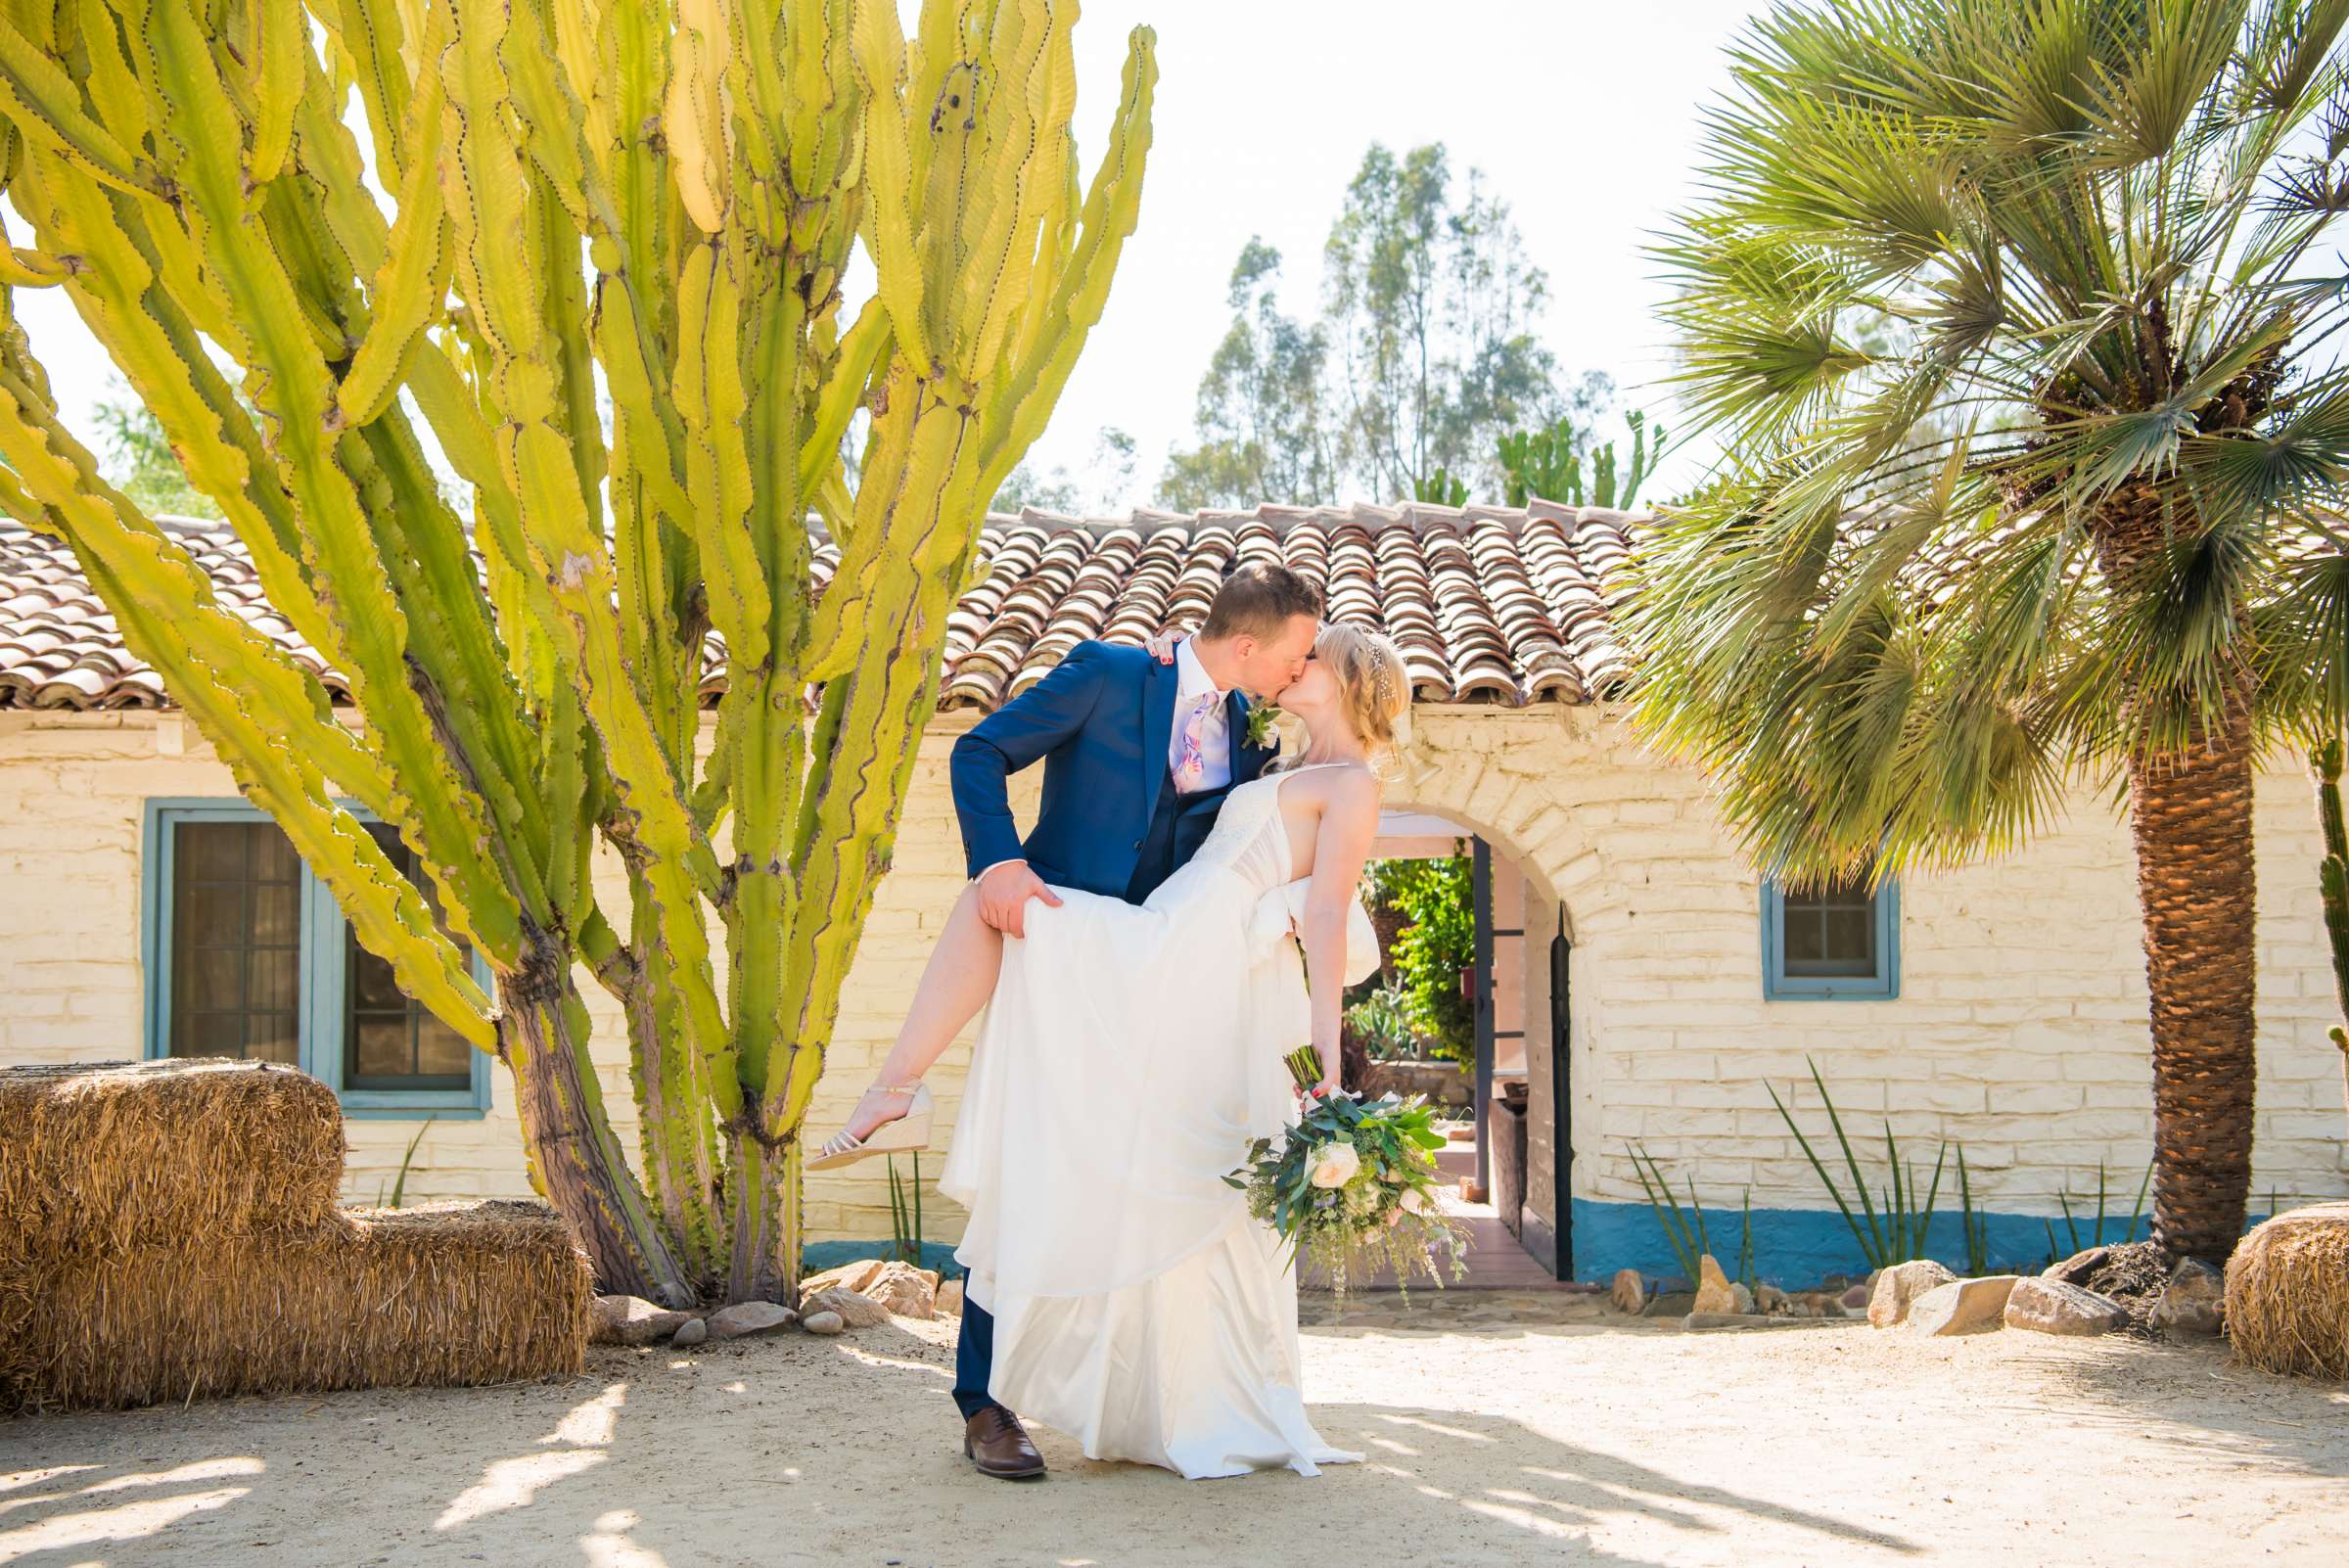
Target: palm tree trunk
[(2191, 818), (2190, 812)]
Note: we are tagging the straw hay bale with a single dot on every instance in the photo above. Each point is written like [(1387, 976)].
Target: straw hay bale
[(111, 1155), (2288, 1292), (388, 1298)]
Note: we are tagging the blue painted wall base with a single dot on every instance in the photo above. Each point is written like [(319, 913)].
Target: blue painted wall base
[(818, 1256), (1795, 1249)]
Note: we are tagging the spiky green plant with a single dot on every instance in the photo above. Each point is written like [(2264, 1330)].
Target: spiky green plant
[(1746, 1274), (1972, 1225), (1898, 1234), (1683, 1229), (906, 1213), (2020, 323), (534, 206)]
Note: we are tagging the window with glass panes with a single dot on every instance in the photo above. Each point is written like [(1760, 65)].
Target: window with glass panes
[(1831, 932), (390, 1042), (253, 959), (236, 942), (1837, 941)]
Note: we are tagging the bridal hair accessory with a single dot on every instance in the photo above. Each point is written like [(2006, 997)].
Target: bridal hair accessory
[(1379, 690)]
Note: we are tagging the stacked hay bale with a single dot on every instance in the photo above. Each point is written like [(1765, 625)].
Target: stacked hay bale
[(2288, 1292), (170, 1230)]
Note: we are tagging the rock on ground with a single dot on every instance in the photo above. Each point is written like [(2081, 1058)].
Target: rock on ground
[(1962, 1305), (1771, 1299), (749, 1318), (2194, 1300), (1742, 1299), (855, 1309), (1629, 1293), (1713, 1294), (2053, 1306), (1898, 1286), (690, 1334), (949, 1298), (631, 1321), (897, 1286), (824, 1323)]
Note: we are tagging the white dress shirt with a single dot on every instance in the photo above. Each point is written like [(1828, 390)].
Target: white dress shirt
[(1192, 684)]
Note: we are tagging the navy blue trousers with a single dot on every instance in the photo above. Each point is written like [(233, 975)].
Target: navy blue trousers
[(974, 1359)]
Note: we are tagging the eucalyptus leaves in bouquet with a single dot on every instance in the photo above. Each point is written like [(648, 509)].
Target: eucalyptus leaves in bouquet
[(1353, 1184)]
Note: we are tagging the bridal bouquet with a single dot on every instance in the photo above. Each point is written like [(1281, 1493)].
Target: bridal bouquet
[(1353, 1184)]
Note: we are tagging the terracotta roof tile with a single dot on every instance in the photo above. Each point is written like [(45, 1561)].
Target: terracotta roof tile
[(1490, 603)]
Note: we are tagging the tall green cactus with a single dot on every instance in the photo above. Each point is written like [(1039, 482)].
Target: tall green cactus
[(1542, 463), (530, 196), (2332, 877), (1547, 463)]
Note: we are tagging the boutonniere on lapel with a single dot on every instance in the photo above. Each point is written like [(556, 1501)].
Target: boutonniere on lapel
[(1260, 719)]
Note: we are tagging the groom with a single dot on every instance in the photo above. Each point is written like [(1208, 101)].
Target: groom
[(1137, 757)]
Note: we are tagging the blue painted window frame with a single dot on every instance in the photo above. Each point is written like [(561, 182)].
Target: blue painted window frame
[(325, 978), (1779, 986)]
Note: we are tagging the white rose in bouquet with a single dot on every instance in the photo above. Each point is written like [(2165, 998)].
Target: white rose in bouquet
[(1335, 1165), (1412, 1201)]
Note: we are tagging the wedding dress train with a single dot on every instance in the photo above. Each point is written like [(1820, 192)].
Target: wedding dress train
[(1130, 1054)]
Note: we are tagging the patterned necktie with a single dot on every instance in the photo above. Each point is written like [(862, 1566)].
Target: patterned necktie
[(1190, 765)]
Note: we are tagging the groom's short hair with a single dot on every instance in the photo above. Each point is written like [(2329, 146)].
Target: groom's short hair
[(1257, 601)]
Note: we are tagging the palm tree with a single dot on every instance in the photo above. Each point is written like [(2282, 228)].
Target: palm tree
[(2018, 322)]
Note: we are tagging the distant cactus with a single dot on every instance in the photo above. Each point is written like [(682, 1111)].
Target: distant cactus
[(1547, 464), (1442, 487), (1543, 464), (1614, 490)]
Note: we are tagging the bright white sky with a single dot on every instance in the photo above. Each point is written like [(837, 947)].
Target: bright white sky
[(1584, 117)]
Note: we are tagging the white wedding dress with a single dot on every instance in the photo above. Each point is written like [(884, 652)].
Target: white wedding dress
[(1130, 1054)]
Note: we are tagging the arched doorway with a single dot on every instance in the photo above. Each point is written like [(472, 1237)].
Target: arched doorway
[(1511, 1179)]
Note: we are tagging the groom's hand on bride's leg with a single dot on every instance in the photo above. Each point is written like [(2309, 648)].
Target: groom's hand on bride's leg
[(1003, 894)]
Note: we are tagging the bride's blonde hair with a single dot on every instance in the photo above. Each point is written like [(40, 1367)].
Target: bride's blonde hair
[(1373, 687)]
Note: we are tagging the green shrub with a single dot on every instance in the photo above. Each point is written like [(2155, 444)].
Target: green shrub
[(1436, 897)]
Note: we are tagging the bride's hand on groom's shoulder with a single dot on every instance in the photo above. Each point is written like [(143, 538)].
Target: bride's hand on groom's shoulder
[(1162, 646)]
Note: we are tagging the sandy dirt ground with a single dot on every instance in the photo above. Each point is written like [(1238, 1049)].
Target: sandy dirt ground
[(1571, 1442)]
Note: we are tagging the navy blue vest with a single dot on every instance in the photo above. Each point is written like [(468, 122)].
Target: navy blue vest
[(1177, 828)]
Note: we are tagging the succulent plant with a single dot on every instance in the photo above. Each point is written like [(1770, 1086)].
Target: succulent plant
[(538, 204)]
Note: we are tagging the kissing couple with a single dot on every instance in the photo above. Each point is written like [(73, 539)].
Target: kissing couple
[(1135, 956)]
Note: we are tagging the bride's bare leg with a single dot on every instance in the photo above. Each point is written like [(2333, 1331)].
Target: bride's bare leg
[(955, 984)]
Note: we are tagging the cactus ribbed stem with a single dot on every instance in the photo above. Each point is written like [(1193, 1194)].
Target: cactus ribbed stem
[(651, 205)]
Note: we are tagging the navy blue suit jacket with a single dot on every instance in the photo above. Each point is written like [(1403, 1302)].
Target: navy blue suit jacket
[(1100, 723)]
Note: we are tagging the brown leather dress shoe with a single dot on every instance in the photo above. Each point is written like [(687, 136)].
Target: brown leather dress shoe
[(993, 1441)]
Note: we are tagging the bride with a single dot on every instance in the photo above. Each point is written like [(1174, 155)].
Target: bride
[(1128, 1054)]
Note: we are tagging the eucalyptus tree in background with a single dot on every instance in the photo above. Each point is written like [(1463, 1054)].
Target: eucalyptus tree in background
[(2020, 321), (1427, 350), (1270, 425), (568, 198)]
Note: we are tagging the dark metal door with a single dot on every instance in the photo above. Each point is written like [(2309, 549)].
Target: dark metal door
[(1561, 1138)]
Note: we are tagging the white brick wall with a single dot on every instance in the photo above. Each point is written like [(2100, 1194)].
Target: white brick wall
[(2019, 1027)]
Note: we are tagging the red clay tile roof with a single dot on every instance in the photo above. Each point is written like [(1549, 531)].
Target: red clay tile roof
[(1490, 603)]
